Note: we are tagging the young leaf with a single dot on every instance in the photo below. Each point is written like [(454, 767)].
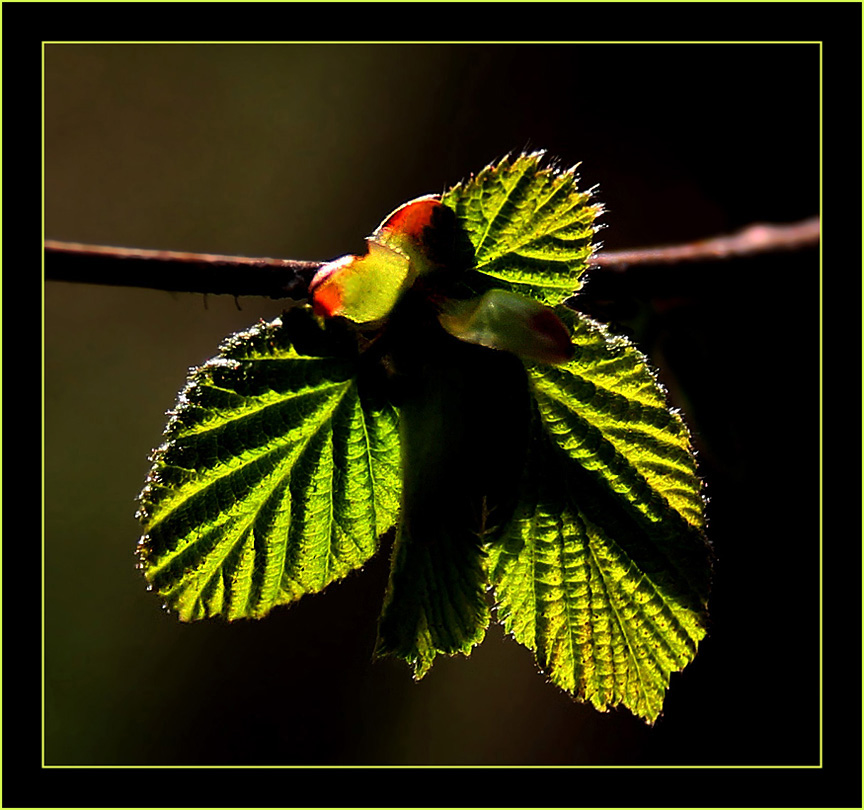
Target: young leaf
[(426, 231), (418, 238), (461, 407), (530, 225), (277, 476), (436, 598), (363, 289), (606, 410), (604, 572), (500, 319)]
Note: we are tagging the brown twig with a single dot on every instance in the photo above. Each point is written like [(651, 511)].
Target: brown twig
[(748, 242), (177, 271), (286, 278)]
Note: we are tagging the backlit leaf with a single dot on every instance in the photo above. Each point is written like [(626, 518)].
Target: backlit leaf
[(607, 411), (461, 411), (530, 225), (363, 289), (436, 600), (604, 572), (500, 319), (277, 476), (418, 238)]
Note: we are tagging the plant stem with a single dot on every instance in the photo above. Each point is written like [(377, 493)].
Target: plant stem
[(754, 239), (176, 271), (287, 278)]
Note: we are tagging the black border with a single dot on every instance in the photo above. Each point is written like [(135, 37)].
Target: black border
[(836, 784)]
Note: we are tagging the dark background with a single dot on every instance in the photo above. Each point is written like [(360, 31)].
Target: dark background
[(299, 151)]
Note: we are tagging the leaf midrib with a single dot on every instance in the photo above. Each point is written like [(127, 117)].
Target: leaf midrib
[(296, 451), (552, 226)]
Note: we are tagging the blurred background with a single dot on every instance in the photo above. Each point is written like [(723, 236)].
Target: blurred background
[(299, 151)]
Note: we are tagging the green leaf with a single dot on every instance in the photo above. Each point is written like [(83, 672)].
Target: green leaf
[(607, 411), (363, 289), (503, 320), (406, 245), (461, 407), (604, 571), (530, 226), (277, 476), (436, 602)]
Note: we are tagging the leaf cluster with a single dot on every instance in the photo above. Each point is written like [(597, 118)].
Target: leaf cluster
[(564, 486)]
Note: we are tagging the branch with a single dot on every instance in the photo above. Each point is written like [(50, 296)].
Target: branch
[(176, 271), (287, 278), (750, 241)]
